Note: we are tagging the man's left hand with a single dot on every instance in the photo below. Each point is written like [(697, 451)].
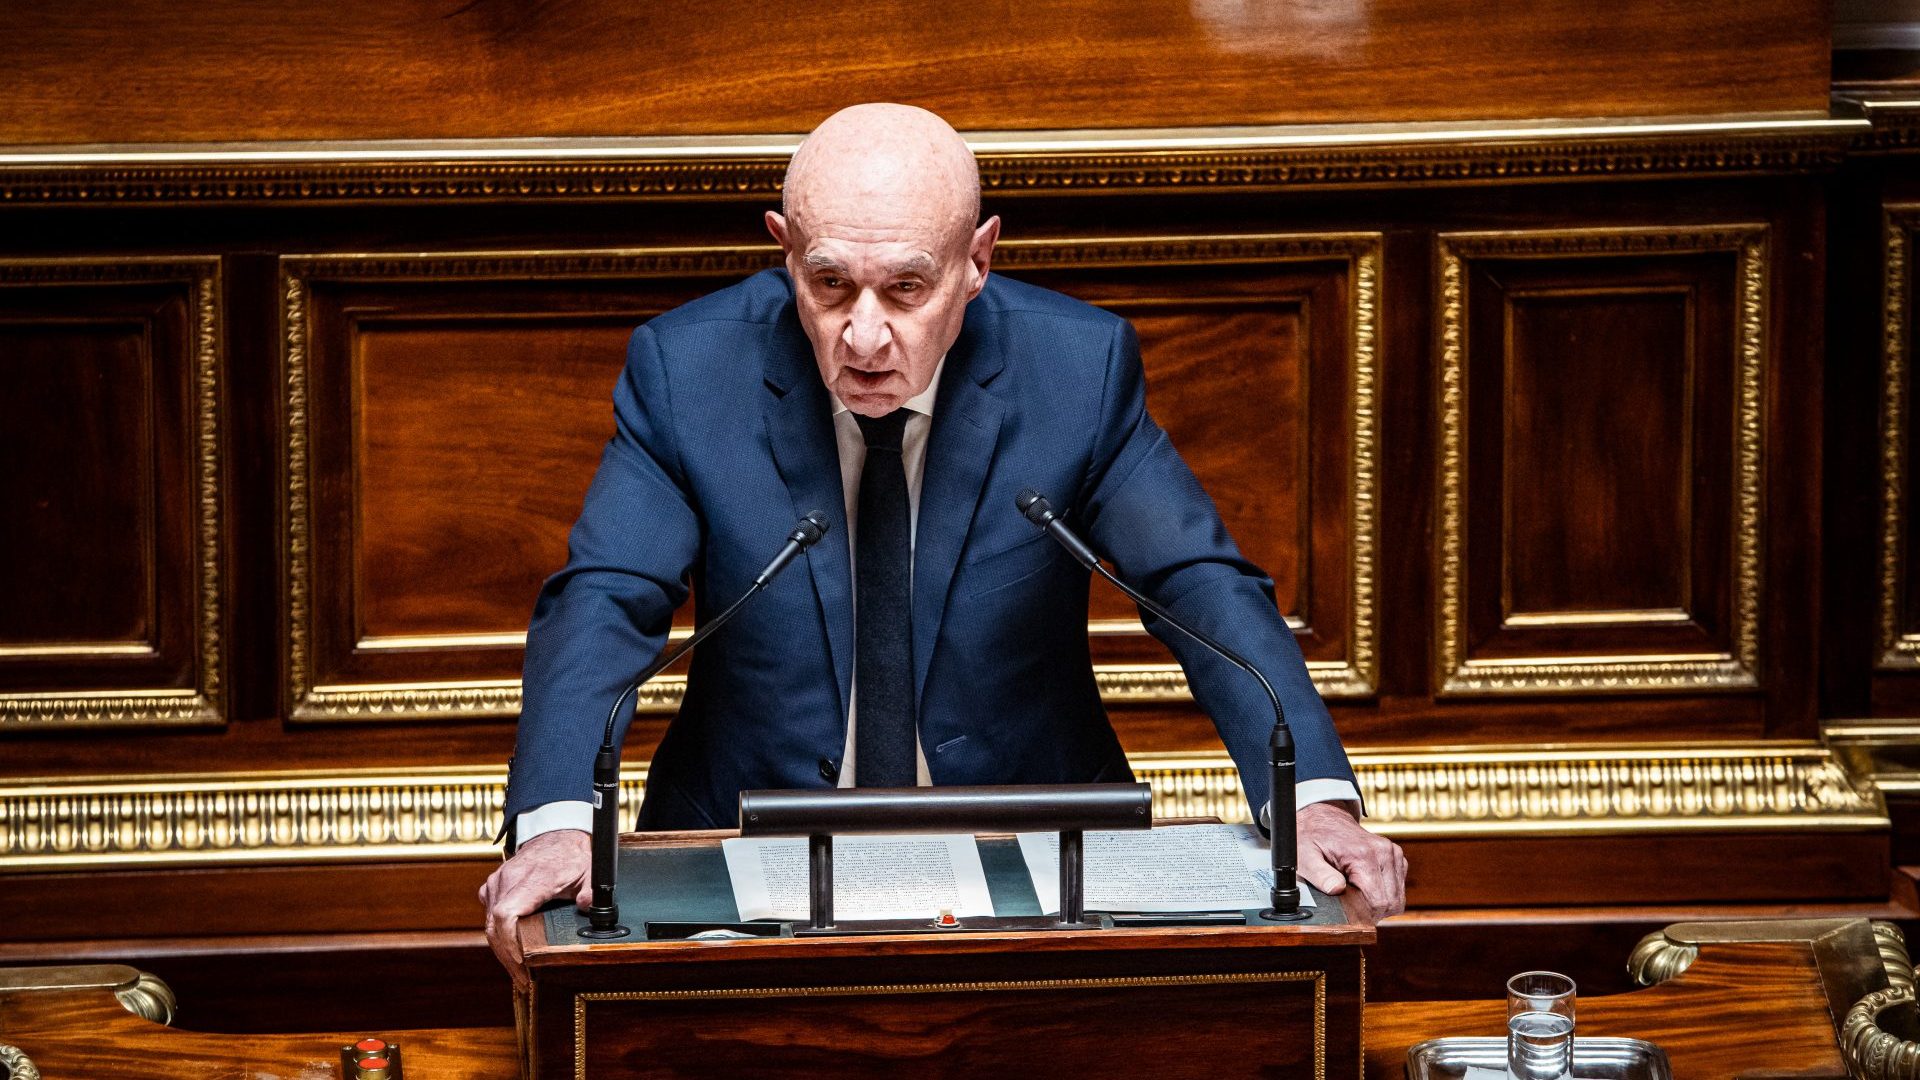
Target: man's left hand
[(1334, 852)]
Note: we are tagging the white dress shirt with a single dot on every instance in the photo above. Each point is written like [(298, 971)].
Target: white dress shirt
[(852, 446)]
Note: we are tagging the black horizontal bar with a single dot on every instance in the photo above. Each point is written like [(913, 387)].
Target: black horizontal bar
[(1010, 808)]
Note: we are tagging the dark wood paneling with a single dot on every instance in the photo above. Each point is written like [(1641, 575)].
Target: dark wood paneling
[(1254, 372), (1606, 399), (106, 368), (1598, 409), (455, 420), (82, 475), (1702, 867), (240, 69), (475, 438)]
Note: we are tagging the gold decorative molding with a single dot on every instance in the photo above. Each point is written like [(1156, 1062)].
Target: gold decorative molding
[(1872, 1052), (141, 994), (1884, 752), (1256, 978), (223, 819), (1457, 673), (1893, 122), (1128, 684), (1094, 162), (201, 704), (18, 1066), (1547, 791), (1892, 946), (1658, 958), (1899, 647)]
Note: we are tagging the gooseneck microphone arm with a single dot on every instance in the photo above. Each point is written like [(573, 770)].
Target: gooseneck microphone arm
[(603, 915), (1286, 887)]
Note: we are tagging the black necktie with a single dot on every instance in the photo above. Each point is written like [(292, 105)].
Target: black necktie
[(883, 592)]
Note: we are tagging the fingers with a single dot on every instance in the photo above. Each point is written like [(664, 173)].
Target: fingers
[(1315, 870), (1330, 838), (547, 866)]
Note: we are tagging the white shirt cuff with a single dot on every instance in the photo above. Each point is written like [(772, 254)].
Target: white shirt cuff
[(1308, 792), (552, 817)]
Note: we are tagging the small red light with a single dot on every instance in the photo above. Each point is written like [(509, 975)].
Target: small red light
[(370, 1045)]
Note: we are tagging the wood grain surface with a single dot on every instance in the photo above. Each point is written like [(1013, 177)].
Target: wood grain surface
[(242, 69), (1741, 1011)]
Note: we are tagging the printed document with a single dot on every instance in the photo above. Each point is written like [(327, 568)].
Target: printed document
[(874, 877), (1177, 868)]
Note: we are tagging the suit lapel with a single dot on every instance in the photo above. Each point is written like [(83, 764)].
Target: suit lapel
[(800, 428), (966, 427)]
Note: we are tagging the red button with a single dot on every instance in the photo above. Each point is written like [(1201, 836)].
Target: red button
[(370, 1045), (370, 1064)]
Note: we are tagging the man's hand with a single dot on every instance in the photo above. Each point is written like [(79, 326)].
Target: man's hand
[(549, 865), (1334, 851)]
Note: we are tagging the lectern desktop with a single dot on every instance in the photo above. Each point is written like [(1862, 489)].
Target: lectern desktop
[(1219, 1001)]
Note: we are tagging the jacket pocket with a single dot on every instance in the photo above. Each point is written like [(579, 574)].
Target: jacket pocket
[(1010, 567)]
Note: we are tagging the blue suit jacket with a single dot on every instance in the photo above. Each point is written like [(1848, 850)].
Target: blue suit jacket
[(724, 437)]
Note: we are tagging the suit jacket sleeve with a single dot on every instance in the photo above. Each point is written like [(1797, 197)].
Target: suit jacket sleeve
[(1145, 510), (605, 615)]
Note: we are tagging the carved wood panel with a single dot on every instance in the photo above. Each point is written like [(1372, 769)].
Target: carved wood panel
[(109, 499), (1260, 359), (445, 414), (1599, 506)]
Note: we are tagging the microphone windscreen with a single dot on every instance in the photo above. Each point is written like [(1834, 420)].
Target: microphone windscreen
[(811, 528), (1034, 505)]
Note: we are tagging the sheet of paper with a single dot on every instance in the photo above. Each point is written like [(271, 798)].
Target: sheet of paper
[(874, 877), (1178, 868)]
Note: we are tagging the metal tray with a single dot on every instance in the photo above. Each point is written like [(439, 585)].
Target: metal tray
[(1593, 1059)]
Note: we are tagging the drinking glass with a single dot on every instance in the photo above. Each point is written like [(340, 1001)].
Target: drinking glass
[(1540, 1025)]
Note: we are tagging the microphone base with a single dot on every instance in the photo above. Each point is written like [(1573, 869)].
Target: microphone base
[(1296, 915), (594, 933)]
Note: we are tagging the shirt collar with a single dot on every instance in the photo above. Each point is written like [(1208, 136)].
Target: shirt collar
[(921, 402)]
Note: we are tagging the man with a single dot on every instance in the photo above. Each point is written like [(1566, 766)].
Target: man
[(935, 634)]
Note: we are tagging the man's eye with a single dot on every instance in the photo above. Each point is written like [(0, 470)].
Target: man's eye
[(907, 286), (831, 282)]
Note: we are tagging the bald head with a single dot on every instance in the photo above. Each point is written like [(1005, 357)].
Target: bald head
[(877, 224), (878, 164)]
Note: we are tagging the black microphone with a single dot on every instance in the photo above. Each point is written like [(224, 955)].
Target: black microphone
[(603, 915), (1286, 886)]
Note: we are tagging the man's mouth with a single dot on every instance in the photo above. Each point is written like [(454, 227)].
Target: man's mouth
[(868, 380)]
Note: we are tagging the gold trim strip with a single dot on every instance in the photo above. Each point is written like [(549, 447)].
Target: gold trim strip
[(1120, 684), (1899, 649), (1597, 618), (203, 703), (1012, 163), (217, 819), (79, 648), (1317, 978), (1458, 674)]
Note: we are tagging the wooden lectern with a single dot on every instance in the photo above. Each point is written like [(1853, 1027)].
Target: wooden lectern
[(1187, 1001)]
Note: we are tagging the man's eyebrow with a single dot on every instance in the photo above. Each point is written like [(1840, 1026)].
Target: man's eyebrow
[(919, 263), (820, 260)]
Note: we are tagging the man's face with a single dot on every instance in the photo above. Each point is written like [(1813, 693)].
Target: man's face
[(881, 294)]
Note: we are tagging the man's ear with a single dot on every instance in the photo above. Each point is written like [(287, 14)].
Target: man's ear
[(980, 253), (777, 225)]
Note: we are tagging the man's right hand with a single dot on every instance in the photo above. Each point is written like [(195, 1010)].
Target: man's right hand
[(550, 865)]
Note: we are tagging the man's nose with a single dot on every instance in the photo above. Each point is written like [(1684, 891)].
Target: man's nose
[(867, 331)]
